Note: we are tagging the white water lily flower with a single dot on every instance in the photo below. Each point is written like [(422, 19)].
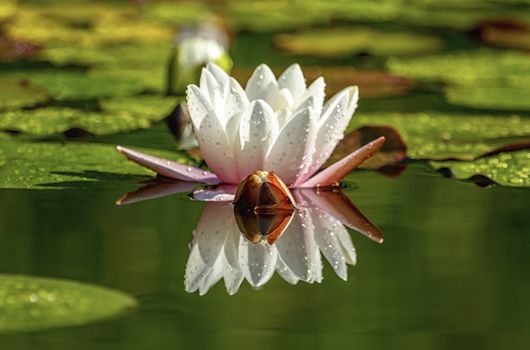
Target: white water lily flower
[(279, 125)]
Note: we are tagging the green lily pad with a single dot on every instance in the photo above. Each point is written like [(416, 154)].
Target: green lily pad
[(447, 136), (505, 98), (16, 94), (74, 85), (508, 169), (508, 34), (267, 16), (7, 9), (186, 12), (31, 303), (336, 42), (32, 165), (466, 68), (118, 115)]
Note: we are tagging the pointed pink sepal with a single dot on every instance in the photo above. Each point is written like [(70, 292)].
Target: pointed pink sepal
[(333, 174), (170, 169)]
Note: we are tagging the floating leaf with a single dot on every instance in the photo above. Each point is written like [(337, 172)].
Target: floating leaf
[(267, 16), (7, 8), (372, 84), (506, 98), (58, 165), (186, 12), (119, 115), (152, 108), (509, 34), (466, 68), (337, 42), (448, 136), (75, 85), (31, 303), (17, 93), (11, 50), (508, 169)]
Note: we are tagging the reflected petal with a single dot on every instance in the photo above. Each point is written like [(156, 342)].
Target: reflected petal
[(156, 190), (257, 262), (336, 204)]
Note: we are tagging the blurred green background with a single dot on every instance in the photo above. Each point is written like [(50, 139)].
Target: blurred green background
[(451, 78)]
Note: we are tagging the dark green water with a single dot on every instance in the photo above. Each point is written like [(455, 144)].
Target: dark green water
[(452, 272)]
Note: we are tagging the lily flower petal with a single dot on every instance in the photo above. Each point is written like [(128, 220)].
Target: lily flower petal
[(257, 262), (288, 155), (258, 128), (293, 80), (170, 169), (259, 82), (213, 141), (332, 175), (334, 119)]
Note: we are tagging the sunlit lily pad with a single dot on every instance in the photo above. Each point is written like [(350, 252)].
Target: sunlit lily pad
[(447, 136), (118, 115), (76, 85), (7, 8), (31, 303), (484, 67), (186, 12), (508, 34), (17, 93), (336, 42), (267, 16), (506, 98), (33, 165), (508, 169)]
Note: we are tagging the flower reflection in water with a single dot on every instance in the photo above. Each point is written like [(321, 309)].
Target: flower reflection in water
[(291, 245)]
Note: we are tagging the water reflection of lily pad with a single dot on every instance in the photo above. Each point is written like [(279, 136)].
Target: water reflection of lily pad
[(57, 165), (119, 115), (17, 93), (508, 169), (443, 136), (346, 41), (31, 303)]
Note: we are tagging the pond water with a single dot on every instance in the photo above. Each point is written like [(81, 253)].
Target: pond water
[(452, 271)]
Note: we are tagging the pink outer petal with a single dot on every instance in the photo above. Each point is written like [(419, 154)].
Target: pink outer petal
[(333, 174), (223, 193), (168, 168)]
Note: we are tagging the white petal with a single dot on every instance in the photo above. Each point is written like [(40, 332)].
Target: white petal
[(294, 245), (259, 82), (317, 90), (219, 74), (285, 272), (279, 99), (214, 276), (236, 100), (214, 91), (293, 80), (258, 128), (326, 229), (334, 120), (198, 105), (216, 148), (289, 154), (257, 262), (348, 248)]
